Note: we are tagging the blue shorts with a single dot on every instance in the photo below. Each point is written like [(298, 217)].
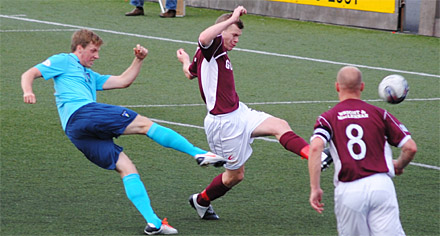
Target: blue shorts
[(92, 128)]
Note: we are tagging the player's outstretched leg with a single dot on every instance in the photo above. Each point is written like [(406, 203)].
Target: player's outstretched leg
[(326, 158), (165, 228), (297, 145), (171, 139)]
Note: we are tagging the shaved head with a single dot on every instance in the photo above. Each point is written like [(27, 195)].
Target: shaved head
[(349, 78), (349, 83)]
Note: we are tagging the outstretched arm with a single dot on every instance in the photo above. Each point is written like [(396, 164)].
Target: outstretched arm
[(27, 79), (183, 57), (129, 75), (211, 32), (316, 148)]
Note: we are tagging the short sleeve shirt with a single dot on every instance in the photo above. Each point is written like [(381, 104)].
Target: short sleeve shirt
[(212, 67), (75, 85), (359, 134)]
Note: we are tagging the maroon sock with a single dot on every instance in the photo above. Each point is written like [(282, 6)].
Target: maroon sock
[(214, 190), (293, 142)]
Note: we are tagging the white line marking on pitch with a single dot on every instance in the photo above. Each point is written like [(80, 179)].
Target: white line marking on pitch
[(37, 30), (275, 103)]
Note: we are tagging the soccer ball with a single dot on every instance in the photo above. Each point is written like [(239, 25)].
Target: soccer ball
[(393, 89)]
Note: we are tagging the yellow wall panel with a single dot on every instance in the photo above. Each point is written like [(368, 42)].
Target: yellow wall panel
[(384, 6)]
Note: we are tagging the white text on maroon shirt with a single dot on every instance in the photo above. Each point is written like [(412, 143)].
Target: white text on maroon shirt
[(358, 114)]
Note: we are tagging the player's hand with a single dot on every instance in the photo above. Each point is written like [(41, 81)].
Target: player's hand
[(315, 200), (140, 52), (182, 56), (239, 11), (397, 170), (29, 98)]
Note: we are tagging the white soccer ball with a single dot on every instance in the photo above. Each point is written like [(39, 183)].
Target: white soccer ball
[(393, 89)]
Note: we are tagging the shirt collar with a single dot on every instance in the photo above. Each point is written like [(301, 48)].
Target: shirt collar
[(77, 59), (74, 56)]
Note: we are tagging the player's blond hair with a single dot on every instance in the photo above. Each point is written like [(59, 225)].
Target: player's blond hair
[(226, 16), (83, 37)]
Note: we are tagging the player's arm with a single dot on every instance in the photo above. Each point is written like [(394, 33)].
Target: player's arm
[(183, 57), (211, 32), (407, 154), (27, 79), (129, 75), (314, 162)]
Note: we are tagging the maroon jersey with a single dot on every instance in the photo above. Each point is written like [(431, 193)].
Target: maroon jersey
[(212, 67), (359, 134)]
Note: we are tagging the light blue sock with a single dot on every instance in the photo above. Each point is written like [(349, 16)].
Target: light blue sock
[(171, 139), (136, 192)]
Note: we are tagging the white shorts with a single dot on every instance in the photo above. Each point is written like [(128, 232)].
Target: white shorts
[(367, 206), (229, 135)]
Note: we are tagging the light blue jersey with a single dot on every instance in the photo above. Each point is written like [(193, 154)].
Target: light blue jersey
[(75, 85)]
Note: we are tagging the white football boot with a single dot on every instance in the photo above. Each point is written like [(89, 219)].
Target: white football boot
[(210, 158), (165, 228), (206, 213)]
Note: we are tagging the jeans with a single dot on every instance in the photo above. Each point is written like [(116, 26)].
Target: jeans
[(137, 3), (170, 4)]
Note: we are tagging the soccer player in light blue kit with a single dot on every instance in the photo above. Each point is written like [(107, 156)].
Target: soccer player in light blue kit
[(91, 126)]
